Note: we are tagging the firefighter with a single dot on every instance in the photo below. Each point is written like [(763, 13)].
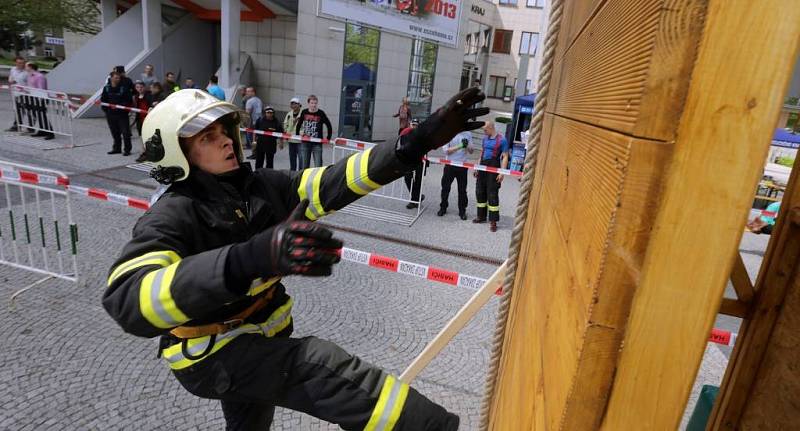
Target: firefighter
[(494, 153), (203, 269)]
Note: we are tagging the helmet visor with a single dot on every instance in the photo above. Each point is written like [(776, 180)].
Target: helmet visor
[(204, 119)]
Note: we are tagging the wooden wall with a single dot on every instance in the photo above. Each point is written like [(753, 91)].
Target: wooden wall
[(654, 137)]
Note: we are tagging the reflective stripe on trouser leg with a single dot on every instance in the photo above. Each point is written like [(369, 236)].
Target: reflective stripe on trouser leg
[(493, 197), (390, 404)]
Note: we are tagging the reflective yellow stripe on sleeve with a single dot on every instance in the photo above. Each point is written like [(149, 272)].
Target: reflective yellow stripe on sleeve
[(389, 406), (161, 258), (357, 174), (155, 299), (309, 189), (259, 285)]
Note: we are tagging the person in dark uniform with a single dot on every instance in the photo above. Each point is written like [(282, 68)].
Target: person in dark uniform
[(118, 92), (204, 266), (266, 146), (494, 153)]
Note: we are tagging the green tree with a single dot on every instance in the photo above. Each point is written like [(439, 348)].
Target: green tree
[(20, 16)]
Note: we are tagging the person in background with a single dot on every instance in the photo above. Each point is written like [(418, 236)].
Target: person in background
[(37, 80), (765, 222), (123, 78), (148, 77), (18, 75), (494, 153), (404, 115), (189, 83), (141, 100), (267, 145), (413, 178), (170, 86), (118, 93), (253, 107), (310, 124), (456, 150), (214, 89), (290, 124), (157, 94)]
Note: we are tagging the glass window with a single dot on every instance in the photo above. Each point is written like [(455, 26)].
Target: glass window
[(420, 77), (497, 85), (535, 3), (528, 43), (502, 41), (359, 74), (508, 2), (468, 44)]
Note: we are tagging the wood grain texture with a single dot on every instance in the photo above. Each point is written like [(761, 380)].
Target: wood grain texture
[(740, 280), (723, 138), (629, 63), (761, 386)]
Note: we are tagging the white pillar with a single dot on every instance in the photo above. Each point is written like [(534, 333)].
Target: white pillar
[(231, 28), (151, 23), (108, 12)]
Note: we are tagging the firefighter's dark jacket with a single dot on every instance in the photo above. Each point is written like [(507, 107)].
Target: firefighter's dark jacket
[(172, 272)]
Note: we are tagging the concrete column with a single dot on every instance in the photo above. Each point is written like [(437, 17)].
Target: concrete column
[(231, 28), (108, 12), (151, 23)]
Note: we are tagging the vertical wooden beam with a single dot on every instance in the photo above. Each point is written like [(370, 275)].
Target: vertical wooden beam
[(734, 99), (762, 384)]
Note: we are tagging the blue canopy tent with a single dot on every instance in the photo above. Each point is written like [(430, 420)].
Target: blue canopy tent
[(786, 139)]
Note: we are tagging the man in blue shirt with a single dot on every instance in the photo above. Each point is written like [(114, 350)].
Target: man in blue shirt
[(214, 89), (494, 153), (456, 150)]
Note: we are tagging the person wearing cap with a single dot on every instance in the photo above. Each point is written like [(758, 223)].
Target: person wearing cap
[(267, 145), (290, 124), (117, 92), (205, 266)]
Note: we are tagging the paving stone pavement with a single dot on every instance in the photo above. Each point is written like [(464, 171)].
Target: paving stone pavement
[(66, 365)]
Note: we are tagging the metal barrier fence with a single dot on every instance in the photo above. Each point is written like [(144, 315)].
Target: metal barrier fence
[(39, 233), (390, 202), (42, 110)]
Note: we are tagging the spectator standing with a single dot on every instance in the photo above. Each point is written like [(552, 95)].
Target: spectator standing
[(310, 124), (18, 75), (456, 150), (214, 89), (170, 86), (141, 100), (148, 77), (494, 153), (123, 77), (290, 124), (118, 93), (253, 107), (404, 115), (189, 83), (37, 80), (267, 145), (157, 94)]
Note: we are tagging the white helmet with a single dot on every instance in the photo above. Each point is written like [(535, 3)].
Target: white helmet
[(182, 115)]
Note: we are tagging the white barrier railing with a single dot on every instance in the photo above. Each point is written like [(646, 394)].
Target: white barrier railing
[(42, 110), (38, 234), (388, 203)]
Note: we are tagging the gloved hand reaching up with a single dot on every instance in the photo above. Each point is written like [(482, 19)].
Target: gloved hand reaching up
[(454, 117), (296, 246)]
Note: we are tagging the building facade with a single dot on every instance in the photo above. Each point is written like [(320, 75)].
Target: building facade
[(502, 43)]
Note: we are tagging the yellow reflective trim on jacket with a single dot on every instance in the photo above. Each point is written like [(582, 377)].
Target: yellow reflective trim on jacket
[(277, 321), (309, 189), (261, 285), (155, 299), (389, 406), (357, 174), (161, 258)]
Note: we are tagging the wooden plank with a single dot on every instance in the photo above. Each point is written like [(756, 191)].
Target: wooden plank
[(733, 307), (592, 178), (741, 279), (761, 385), (630, 62), (456, 324), (723, 137)]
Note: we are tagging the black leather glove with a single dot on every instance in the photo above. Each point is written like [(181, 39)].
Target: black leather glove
[(296, 246), (454, 117)]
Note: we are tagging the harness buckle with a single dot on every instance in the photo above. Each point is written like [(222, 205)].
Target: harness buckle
[(233, 323)]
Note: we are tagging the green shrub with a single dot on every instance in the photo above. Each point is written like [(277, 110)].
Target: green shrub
[(785, 161), (503, 120)]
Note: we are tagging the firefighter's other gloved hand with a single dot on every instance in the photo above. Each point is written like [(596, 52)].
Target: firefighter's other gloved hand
[(296, 246), (455, 116)]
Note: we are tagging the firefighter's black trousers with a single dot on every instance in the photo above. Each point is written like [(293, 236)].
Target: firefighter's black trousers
[(253, 374), (487, 192)]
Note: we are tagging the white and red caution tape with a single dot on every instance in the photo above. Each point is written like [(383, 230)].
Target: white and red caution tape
[(32, 177), (474, 166), (105, 195), (726, 338), (289, 136)]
